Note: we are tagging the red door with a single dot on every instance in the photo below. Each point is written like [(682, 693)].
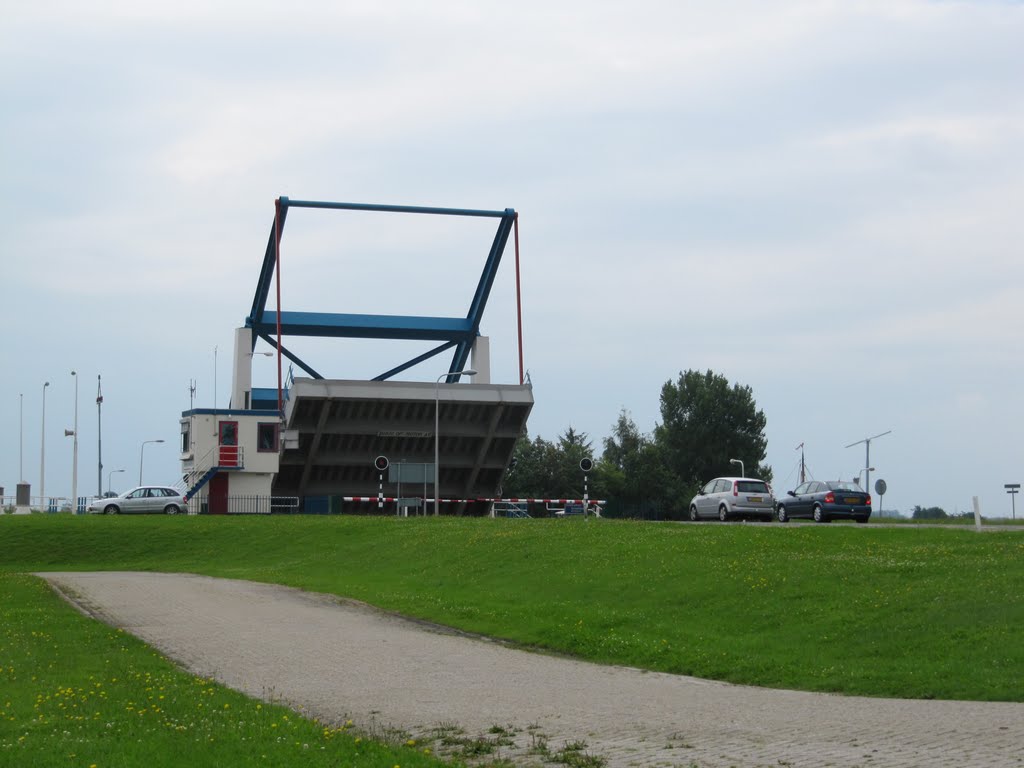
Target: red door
[(218, 496)]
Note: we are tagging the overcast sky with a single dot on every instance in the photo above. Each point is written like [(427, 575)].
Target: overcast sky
[(821, 200)]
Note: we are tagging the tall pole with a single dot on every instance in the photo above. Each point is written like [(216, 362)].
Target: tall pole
[(1013, 489), (803, 468), (21, 437), (42, 453), (214, 383), (74, 460), (437, 432), (111, 475), (142, 454), (867, 456), (437, 443), (99, 435), (277, 279)]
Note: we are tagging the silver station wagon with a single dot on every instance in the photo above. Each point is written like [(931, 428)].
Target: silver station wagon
[(727, 497), (154, 499)]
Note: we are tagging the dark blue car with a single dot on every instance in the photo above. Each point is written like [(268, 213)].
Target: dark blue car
[(823, 500)]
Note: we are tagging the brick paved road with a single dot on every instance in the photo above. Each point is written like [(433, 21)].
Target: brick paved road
[(335, 659)]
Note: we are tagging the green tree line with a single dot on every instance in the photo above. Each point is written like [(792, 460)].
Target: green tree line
[(705, 422)]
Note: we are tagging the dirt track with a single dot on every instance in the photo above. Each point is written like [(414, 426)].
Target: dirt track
[(337, 660)]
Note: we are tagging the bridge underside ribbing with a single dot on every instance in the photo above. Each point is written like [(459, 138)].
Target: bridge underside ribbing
[(335, 429)]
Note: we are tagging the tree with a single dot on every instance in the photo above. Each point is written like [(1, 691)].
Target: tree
[(631, 472), (929, 513), (530, 474), (705, 423), (547, 470), (573, 447)]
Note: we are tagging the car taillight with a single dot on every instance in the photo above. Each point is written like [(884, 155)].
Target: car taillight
[(868, 502), (830, 498), (735, 489)]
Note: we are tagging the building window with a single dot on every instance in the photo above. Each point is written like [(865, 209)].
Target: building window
[(228, 431), (186, 442), (266, 437)]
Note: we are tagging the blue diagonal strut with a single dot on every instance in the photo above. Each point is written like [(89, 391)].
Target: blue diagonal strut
[(457, 332)]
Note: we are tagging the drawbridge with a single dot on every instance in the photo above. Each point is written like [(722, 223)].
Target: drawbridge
[(333, 429)]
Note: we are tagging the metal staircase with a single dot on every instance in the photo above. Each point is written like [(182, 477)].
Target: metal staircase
[(221, 458)]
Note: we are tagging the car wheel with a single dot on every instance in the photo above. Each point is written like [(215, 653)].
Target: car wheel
[(111, 509), (819, 515), (172, 509), (782, 514), (693, 513), (723, 513)]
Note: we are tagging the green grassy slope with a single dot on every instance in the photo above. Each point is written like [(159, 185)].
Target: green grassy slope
[(890, 612)]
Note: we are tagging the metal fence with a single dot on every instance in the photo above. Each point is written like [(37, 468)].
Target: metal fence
[(51, 504), (249, 505)]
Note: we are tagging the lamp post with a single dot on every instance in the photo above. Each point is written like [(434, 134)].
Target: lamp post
[(21, 437), (74, 455), (437, 432), (99, 434), (867, 454), (861, 472), (109, 475), (142, 453), (743, 472), (42, 453)]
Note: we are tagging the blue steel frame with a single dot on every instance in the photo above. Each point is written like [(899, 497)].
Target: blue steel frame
[(457, 332)]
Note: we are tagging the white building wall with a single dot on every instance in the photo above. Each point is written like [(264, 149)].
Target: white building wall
[(249, 484), (256, 475)]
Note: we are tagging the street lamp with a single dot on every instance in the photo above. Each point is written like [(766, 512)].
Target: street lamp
[(111, 474), (861, 472), (867, 454), (42, 453), (743, 472), (437, 430), (142, 453), (74, 461)]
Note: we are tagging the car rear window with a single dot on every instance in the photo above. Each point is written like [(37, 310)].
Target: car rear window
[(751, 486), (842, 486)]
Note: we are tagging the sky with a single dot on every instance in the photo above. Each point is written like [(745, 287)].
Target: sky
[(817, 199)]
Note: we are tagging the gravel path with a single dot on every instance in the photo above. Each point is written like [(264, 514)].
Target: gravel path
[(336, 659)]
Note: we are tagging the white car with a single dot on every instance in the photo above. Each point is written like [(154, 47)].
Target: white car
[(726, 497), (146, 498)]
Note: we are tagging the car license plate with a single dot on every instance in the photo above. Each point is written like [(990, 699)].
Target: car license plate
[(852, 500), (754, 498)]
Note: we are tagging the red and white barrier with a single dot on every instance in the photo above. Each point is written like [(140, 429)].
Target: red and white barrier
[(470, 501)]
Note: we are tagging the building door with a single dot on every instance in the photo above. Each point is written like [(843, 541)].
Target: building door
[(227, 444), (218, 496)]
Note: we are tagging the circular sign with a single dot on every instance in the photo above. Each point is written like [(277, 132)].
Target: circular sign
[(586, 465), (880, 487), (381, 463)]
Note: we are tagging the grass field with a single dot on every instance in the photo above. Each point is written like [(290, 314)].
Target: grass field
[(908, 612), (74, 692)]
